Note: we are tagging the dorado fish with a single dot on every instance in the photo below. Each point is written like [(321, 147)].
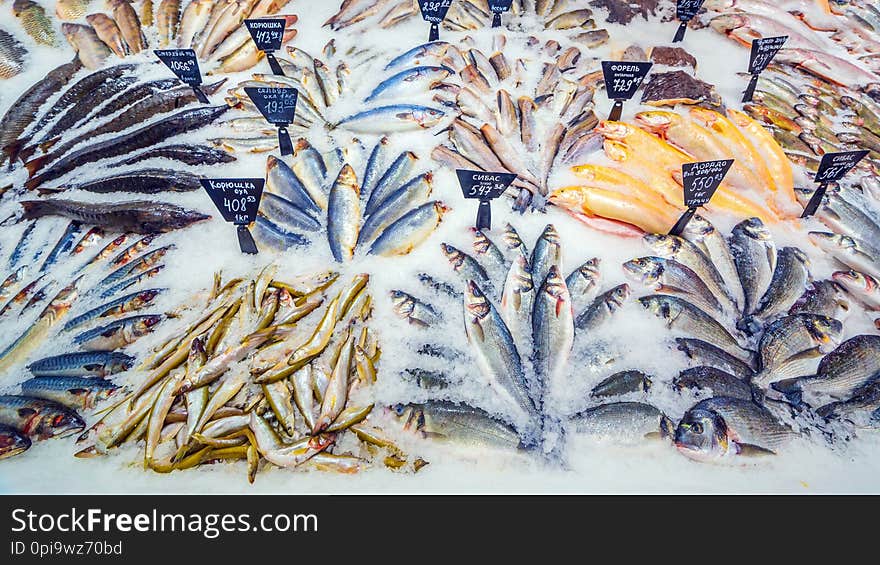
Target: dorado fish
[(716, 381), (755, 257), (624, 382), (623, 422), (457, 424)]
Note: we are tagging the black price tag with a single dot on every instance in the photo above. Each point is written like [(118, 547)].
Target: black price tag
[(622, 79), (700, 181), (268, 35), (278, 106), (832, 168), (485, 187), (497, 8), (185, 66), (763, 51), (685, 10), (238, 201), (434, 12)]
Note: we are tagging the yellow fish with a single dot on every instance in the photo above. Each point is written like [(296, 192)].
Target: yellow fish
[(591, 202)]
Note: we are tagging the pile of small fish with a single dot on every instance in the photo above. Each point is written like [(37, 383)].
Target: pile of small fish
[(840, 48), (465, 15), (520, 334), (510, 123), (385, 211), (254, 375), (642, 189)]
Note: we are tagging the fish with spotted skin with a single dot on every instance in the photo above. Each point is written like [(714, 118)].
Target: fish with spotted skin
[(77, 392), (39, 418)]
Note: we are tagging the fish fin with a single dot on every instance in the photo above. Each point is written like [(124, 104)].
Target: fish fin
[(750, 450), (26, 412), (93, 367), (77, 391), (35, 165), (46, 145)]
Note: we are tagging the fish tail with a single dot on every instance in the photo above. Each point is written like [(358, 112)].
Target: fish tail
[(791, 388), (12, 151), (213, 88), (26, 153), (749, 325)]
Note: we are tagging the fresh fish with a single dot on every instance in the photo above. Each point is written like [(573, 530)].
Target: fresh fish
[(466, 266), (344, 215), (755, 257), (108, 32), (375, 166), (855, 254), (281, 180), (435, 50), (137, 138), (398, 117), (168, 21), (117, 334), (71, 9), (392, 180), (12, 442), (688, 254), (276, 237), (63, 246), (142, 181), (413, 310), (716, 381), (396, 205), (75, 392), (137, 217), (457, 424), (623, 422), (824, 298), (602, 308), (286, 214), (671, 277), (721, 427), (404, 82), (38, 418), (129, 303), (85, 364), (704, 234), (862, 408), (12, 54), (192, 21), (547, 252), (495, 351), (864, 288), (130, 25), (624, 382), (22, 347), (854, 363), (35, 22), (583, 283), (790, 279), (513, 243), (552, 331), (312, 172), (790, 345), (702, 353), (91, 51), (683, 316), (517, 299)]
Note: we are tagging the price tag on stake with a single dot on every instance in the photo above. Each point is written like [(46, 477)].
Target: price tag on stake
[(185, 66), (268, 35), (700, 181), (622, 79), (763, 51), (434, 12), (832, 168), (497, 8), (278, 106), (238, 201), (485, 187), (685, 10)]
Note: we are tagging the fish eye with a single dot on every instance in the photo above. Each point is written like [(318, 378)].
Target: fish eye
[(697, 427), (398, 409)]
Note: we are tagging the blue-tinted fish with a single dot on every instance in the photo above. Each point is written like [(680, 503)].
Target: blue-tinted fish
[(397, 117), (64, 245), (395, 205), (407, 79), (75, 392), (287, 214), (393, 179), (129, 303), (82, 364), (281, 180), (117, 334)]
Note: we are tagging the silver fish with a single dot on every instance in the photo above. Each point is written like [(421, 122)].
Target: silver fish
[(716, 381), (624, 382), (552, 329), (789, 345), (700, 231), (755, 257), (583, 283), (344, 215), (623, 422), (601, 309), (668, 276)]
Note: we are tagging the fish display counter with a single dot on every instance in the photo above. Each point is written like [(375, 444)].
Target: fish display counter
[(238, 249)]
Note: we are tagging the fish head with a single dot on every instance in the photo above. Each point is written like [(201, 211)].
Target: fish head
[(662, 244), (615, 297), (726, 23), (146, 323), (614, 130), (453, 255), (755, 229), (660, 306), (197, 354), (551, 236), (569, 197), (699, 228), (402, 303), (824, 330), (408, 415), (590, 269), (704, 115), (855, 279), (644, 269), (482, 244), (475, 303), (60, 423), (554, 285), (510, 237), (427, 117), (521, 276), (702, 435), (12, 442), (657, 121)]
